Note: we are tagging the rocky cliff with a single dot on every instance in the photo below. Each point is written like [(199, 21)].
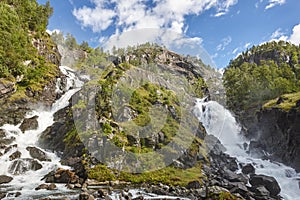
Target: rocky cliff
[(276, 130)]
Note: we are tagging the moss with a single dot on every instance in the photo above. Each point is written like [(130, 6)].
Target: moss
[(289, 101), (169, 175), (72, 139), (223, 196)]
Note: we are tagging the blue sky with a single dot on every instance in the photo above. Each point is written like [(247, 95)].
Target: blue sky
[(222, 28)]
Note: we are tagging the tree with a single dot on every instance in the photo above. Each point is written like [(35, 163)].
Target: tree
[(71, 42)]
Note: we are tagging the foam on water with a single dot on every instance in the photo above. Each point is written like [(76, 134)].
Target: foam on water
[(25, 183)]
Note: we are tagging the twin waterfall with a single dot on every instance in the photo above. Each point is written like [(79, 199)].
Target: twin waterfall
[(216, 119)]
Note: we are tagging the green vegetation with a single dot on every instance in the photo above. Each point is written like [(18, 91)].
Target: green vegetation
[(288, 101), (262, 73), (169, 175), (154, 112), (23, 30)]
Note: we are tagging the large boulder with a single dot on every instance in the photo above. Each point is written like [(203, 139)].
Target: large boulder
[(248, 169), (15, 155), (20, 166), (29, 124), (5, 179), (37, 153), (268, 182), (61, 176)]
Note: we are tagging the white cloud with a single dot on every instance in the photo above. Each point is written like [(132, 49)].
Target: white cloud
[(225, 42), (235, 50), (278, 35), (168, 38), (98, 18), (50, 32), (219, 14), (295, 37), (166, 15), (273, 3), (257, 3), (247, 45)]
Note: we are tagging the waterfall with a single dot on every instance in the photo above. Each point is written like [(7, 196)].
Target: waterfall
[(25, 177), (219, 122)]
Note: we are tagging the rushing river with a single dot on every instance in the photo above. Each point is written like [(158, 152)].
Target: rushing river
[(25, 181), (219, 122)]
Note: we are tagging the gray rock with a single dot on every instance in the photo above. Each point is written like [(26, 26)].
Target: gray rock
[(239, 188), (5, 179), (248, 169), (268, 182), (193, 185), (15, 155), (42, 187), (21, 166), (261, 191), (214, 144), (37, 153), (52, 186), (2, 133), (29, 124), (6, 141), (85, 196), (6, 87)]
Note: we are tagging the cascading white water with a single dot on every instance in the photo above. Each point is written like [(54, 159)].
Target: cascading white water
[(219, 122), (27, 182)]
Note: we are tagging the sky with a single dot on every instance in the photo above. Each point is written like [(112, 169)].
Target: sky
[(215, 30)]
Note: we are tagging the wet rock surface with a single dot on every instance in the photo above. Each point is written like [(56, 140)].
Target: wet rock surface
[(277, 132), (268, 182), (38, 154), (22, 165), (62, 176), (5, 179), (29, 124)]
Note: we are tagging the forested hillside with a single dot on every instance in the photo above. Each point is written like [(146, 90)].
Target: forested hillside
[(28, 57), (262, 73)]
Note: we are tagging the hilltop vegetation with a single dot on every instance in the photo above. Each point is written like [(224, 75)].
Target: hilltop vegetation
[(28, 57), (262, 73)]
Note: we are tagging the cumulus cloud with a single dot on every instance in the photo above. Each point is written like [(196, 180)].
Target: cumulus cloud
[(273, 3), (278, 35), (295, 37), (166, 16), (98, 18)]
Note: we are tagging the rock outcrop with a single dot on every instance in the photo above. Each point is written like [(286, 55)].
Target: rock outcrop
[(6, 87)]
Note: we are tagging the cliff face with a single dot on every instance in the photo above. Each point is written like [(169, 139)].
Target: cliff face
[(277, 132)]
